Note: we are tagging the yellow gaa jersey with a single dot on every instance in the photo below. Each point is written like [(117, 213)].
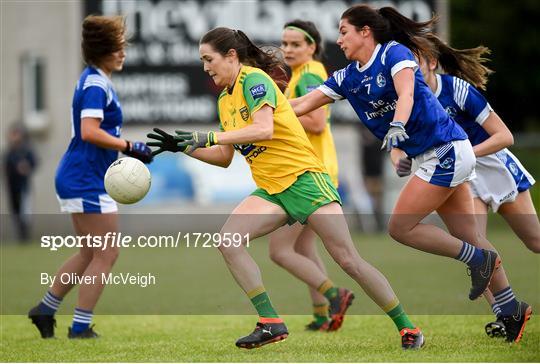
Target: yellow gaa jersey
[(275, 164), (304, 79)]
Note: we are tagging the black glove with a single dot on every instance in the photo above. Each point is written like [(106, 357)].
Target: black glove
[(139, 150), (404, 166), (165, 142)]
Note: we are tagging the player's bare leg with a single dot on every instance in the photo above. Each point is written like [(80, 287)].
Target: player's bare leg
[(329, 223), (306, 245), (257, 217), (522, 218), (417, 200), (282, 242), (458, 215)]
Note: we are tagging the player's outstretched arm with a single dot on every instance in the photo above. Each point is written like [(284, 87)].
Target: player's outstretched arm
[(198, 145), (309, 102), (218, 155), (499, 136), (92, 133)]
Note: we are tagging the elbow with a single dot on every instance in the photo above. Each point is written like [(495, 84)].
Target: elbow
[(265, 134), (509, 140), (86, 135), (226, 164), (318, 128)]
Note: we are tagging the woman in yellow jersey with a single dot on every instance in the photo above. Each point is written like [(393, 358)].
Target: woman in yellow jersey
[(257, 120), (293, 247)]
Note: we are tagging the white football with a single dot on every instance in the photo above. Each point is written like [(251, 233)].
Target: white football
[(127, 180)]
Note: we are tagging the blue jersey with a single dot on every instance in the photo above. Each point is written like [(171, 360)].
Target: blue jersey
[(465, 104), (370, 91), (84, 164)]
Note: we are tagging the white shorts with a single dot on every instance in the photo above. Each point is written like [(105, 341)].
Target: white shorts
[(447, 165), (89, 204), (500, 178)]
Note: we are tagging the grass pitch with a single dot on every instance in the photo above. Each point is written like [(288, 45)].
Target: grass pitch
[(196, 312), (211, 339)]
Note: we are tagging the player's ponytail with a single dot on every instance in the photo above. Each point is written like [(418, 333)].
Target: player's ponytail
[(388, 24), (467, 64), (224, 39)]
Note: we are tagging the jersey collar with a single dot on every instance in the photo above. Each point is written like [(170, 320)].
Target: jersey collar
[(100, 71), (231, 89), (439, 85), (368, 64)]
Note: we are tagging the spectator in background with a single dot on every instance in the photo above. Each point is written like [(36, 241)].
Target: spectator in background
[(20, 162)]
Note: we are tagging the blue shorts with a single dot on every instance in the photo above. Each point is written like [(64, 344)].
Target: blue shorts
[(88, 204)]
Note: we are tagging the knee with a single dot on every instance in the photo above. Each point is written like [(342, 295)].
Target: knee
[(108, 256), (348, 263), (396, 231), (279, 257)]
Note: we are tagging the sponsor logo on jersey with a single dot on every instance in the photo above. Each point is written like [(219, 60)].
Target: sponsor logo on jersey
[(258, 91), (366, 79), (244, 112), (244, 149), (381, 107), (255, 154), (381, 81), (310, 88), (447, 163)]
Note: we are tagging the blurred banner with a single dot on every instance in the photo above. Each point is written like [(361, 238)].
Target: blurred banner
[(163, 80)]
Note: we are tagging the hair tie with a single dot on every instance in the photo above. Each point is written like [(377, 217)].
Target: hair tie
[(308, 36)]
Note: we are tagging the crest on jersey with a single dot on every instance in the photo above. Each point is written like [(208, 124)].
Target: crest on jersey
[(244, 113), (381, 81), (513, 168), (451, 111)]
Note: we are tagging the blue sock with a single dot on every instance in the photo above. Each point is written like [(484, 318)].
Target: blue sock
[(81, 320), (506, 301), (496, 310), (49, 304), (470, 255)]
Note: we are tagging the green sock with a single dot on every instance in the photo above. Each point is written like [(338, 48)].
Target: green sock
[(400, 318), (328, 290), (320, 313), (261, 302)]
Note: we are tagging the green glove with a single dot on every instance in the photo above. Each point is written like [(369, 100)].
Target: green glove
[(196, 139)]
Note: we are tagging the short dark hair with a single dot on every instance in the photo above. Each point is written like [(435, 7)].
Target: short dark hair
[(101, 36)]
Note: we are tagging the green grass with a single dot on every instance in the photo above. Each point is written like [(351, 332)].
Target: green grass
[(195, 312), (211, 339)]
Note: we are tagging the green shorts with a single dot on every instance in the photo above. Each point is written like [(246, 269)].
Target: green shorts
[(309, 192)]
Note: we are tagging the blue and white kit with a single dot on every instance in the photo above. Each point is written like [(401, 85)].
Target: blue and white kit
[(500, 176), (79, 177), (435, 139)]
